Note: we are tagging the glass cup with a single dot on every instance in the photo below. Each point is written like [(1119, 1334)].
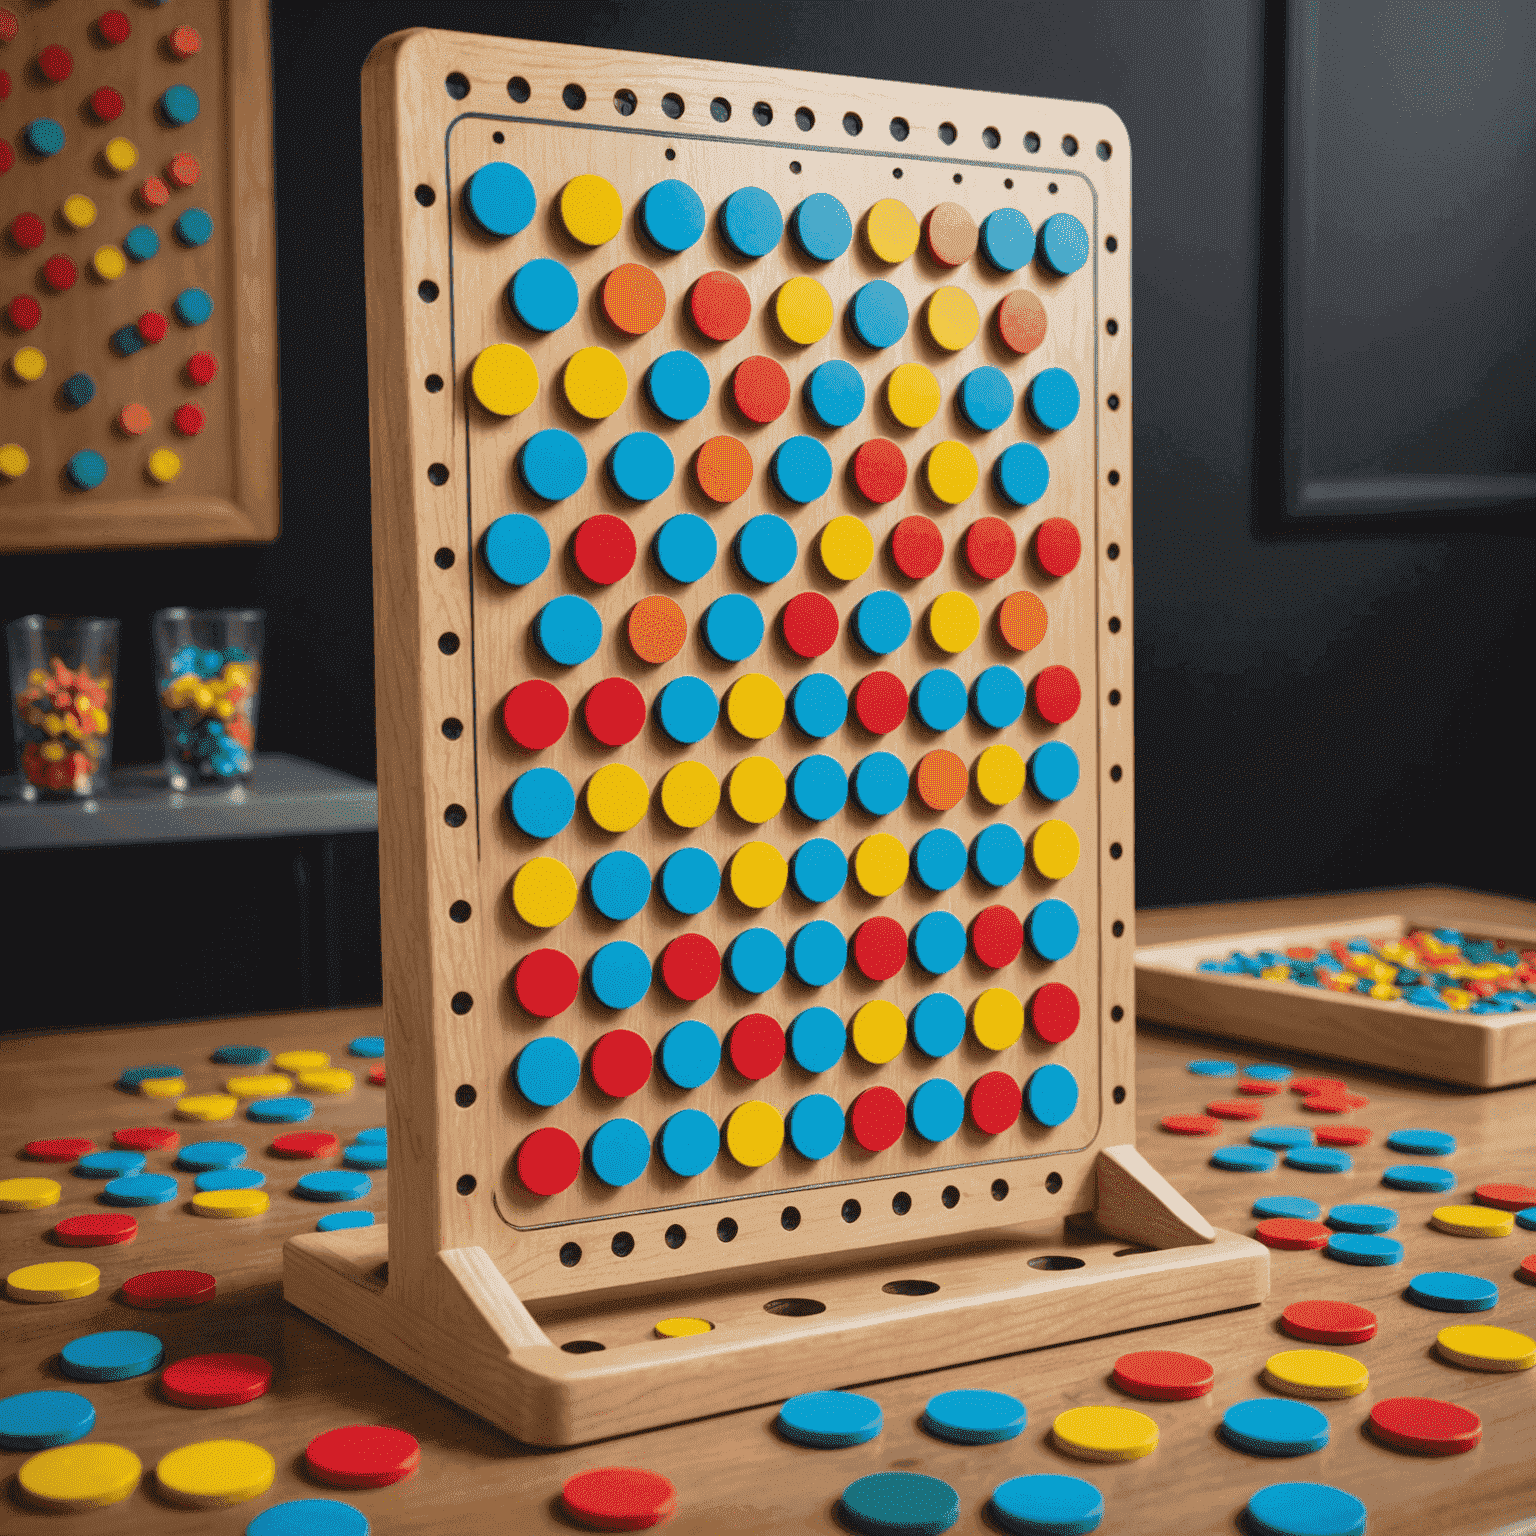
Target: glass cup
[(62, 673), (209, 681)]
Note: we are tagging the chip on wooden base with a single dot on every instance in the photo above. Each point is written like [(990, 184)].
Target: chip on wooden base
[(619, 1499), (362, 1456), (1425, 1425)]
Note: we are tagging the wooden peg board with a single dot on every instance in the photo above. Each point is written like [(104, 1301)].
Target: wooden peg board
[(91, 211), (470, 1232)]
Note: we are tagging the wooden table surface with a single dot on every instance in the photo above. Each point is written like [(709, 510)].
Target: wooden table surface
[(733, 1473)]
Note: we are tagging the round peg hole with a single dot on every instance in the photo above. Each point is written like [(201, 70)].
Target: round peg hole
[(426, 290), (853, 124), (457, 85), (464, 1095), (443, 559), (1118, 1095), (762, 114), (582, 1347), (1103, 149), (448, 644), (425, 195), (675, 1236), (1110, 243), (910, 1287), (1055, 1261), (460, 911), (466, 1184), (1116, 773), (1052, 1183), (852, 1210), (518, 89), (950, 1198), (720, 110), (570, 1255), (434, 382), (947, 133), (437, 474), (672, 104), (900, 128), (805, 119), (452, 728), (999, 1189), (623, 1245), (461, 1004), (1117, 927), (794, 1306), (1068, 145), (455, 815), (625, 102), (901, 1202), (726, 1230), (1117, 1013), (574, 97), (789, 1218)]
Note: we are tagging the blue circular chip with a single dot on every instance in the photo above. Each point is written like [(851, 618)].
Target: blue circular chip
[(569, 630), (687, 710), (86, 469), (1007, 239), (939, 699), (938, 943), (33, 1421), (818, 953), (500, 199), (817, 1039), (333, 1184), (828, 1419), (619, 1152), (194, 227), (546, 1071), (228, 1178), (802, 468), (141, 1189), (543, 294), (316, 1517), (45, 136), (678, 384), (880, 783), (750, 220), (1047, 1504), (1362, 1218), (180, 105), (685, 547), (822, 227), (240, 1056), (641, 466), (909, 1503), (1063, 243), (620, 974), (972, 1417), (1430, 1143), (279, 1111), (835, 391), (1305, 1509), (756, 960), (1270, 1426), (1052, 929), (1022, 474), (1281, 1137), (938, 1024), (672, 214), (141, 242), (366, 1155), (1363, 1248), (1213, 1068), (541, 802), (1050, 1095), (1418, 1177), (986, 398), (997, 697), (819, 869), (1319, 1160), (1244, 1159), (111, 1165), (78, 389), (818, 786), (689, 1053), (689, 1142), (193, 306), (937, 1109), (1268, 1072), (516, 549), (998, 854), (882, 621), (938, 860), (1053, 399), (116, 1355), (766, 548), (1296, 1206), (733, 626), (619, 884), (815, 1125), (1053, 770), (1445, 1290), (879, 314), (553, 464), (819, 706), (690, 881)]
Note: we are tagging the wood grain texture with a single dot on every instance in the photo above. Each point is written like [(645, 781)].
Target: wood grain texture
[(1479, 1051), (733, 1473), (228, 490)]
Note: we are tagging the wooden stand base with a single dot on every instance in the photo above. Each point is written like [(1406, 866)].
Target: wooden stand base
[(585, 1368)]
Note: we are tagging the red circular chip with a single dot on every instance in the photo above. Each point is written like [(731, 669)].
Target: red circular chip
[(990, 548), (880, 470), (96, 1230), (880, 702), (723, 468), (28, 231), (755, 1046), (1328, 1322), (877, 1118), (154, 193), (24, 312), (183, 169), (1234, 1109), (619, 1499), (1506, 1197), (64, 1149), (604, 549), (1056, 694), (113, 27), (151, 326), (1165, 1375), (917, 546), (996, 1100), (189, 419), (810, 624), (1190, 1125), (690, 966), (880, 947), (362, 1456), (1292, 1233), (306, 1144), (216, 1381), (7, 154), (1342, 1135), (535, 714), (202, 367), (760, 388), (1058, 546), (546, 982), (997, 936), (1527, 1269), (1426, 1425), (614, 710), (1327, 1104), (621, 1063), (376, 1075), (146, 1138), (55, 63), (59, 272), (106, 104), (548, 1161), (1054, 1011), (720, 305), (163, 1289), (1257, 1088), (1308, 1086)]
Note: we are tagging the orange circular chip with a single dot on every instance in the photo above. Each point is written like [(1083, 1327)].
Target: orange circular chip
[(1022, 620), (633, 298), (134, 419), (1021, 321), (657, 629), (723, 468), (942, 780)]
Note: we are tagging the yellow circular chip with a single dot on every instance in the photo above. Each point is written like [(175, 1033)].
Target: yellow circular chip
[(1321, 1373), (544, 892), (891, 229), (1105, 1434), (28, 1194), (86, 1476), (954, 621), (327, 1080), (65, 1280), (215, 1472), (1485, 1348), (591, 209), (231, 1204), (759, 873), (109, 263), (690, 794), (879, 1031), (617, 797), (265, 1085), (951, 472), (79, 211), (682, 1327), (755, 706), (301, 1061), (164, 465), (880, 864), (997, 1019), (756, 789), (952, 317), (847, 548), (504, 379), (207, 1106), (14, 460), (1055, 849), (121, 154), (803, 309), (1472, 1221), (28, 364), (162, 1087), (1000, 775), (912, 395), (595, 383), (754, 1133)]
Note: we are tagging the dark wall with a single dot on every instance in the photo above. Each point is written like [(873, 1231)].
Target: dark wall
[(1313, 712)]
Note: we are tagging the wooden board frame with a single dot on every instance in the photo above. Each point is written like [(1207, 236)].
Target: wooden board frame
[(229, 489), (456, 1252), (1474, 1050)]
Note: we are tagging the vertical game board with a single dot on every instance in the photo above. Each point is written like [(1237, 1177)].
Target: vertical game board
[(752, 543), (138, 348)]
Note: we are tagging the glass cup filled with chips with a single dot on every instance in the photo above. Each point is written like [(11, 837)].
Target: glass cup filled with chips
[(208, 677), (62, 675)]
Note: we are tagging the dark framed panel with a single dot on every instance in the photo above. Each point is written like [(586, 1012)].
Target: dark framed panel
[(1409, 309)]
